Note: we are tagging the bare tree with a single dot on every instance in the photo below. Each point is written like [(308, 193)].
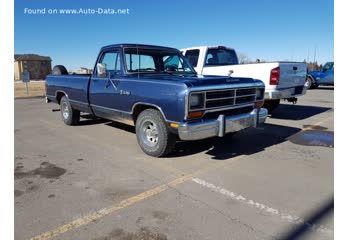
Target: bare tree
[(243, 58)]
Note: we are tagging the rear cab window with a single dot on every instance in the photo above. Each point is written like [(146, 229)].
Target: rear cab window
[(220, 57), (192, 56)]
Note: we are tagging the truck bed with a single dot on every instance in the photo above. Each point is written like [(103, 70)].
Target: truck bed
[(75, 86)]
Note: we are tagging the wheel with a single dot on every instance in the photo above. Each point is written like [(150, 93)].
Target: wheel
[(308, 83), (153, 135), (70, 116), (311, 83), (271, 105), (59, 70)]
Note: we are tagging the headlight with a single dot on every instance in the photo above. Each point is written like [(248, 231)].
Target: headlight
[(196, 100), (259, 93)]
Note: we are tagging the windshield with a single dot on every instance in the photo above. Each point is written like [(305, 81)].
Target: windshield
[(219, 57), (142, 60)]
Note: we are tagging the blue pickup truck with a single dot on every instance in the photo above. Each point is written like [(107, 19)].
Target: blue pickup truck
[(156, 90), (323, 77)]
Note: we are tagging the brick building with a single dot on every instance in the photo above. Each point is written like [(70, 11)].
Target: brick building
[(37, 66)]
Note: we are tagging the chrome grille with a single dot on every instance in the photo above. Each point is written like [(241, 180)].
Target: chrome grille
[(226, 98)]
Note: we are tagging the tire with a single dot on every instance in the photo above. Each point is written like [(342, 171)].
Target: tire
[(59, 70), (309, 83), (69, 115), (313, 84), (271, 105), (152, 134)]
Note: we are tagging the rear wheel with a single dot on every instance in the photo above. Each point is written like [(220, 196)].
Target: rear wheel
[(312, 84), (70, 116), (153, 135), (308, 83)]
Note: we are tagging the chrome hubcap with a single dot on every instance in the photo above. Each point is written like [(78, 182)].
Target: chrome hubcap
[(65, 111), (308, 83), (149, 133)]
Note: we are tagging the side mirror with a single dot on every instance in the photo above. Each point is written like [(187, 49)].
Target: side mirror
[(101, 70)]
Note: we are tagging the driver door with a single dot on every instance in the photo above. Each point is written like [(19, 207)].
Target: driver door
[(104, 93)]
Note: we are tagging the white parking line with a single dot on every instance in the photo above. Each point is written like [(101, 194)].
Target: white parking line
[(286, 217)]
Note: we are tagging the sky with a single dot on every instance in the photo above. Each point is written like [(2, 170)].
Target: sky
[(271, 30)]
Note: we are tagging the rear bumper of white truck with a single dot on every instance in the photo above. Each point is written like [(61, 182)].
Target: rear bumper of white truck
[(284, 93), (222, 125)]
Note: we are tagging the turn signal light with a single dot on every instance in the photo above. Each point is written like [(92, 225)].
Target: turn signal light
[(174, 125), (259, 104), (196, 114)]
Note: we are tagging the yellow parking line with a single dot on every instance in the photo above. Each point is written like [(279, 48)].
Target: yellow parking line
[(128, 202), (142, 196), (106, 211)]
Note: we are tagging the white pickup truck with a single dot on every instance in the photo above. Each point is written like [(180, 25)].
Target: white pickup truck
[(283, 80)]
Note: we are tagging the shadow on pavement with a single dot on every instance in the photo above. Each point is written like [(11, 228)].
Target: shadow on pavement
[(313, 219), (122, 126), (246, 142), (297, 112)]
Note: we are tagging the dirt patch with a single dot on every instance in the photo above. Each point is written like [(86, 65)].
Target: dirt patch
[(142, 234), (18, 193), (51, 196), (35, 89), (160, 215), (46, 170)]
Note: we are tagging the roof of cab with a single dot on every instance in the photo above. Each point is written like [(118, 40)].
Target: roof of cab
[(123, 45)]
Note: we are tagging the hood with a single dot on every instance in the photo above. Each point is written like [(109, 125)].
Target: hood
[(202, 81)]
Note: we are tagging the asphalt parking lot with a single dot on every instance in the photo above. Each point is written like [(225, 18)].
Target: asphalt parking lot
[(93, 182)]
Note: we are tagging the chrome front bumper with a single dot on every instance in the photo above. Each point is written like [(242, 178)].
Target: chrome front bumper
[(222, 125)]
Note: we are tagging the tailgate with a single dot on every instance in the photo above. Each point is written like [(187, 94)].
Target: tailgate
[(292, 75)]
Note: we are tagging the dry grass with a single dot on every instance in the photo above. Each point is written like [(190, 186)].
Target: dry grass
[(35, 89)]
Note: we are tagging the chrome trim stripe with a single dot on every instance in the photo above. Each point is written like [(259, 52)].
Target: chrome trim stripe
[(70, 75), (78, 102), (110, 109), (151, 105), (229, 108), (61, 92)]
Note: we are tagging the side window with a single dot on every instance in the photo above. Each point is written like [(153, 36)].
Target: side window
[(113, 62), (192, 56), (209, 58)]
